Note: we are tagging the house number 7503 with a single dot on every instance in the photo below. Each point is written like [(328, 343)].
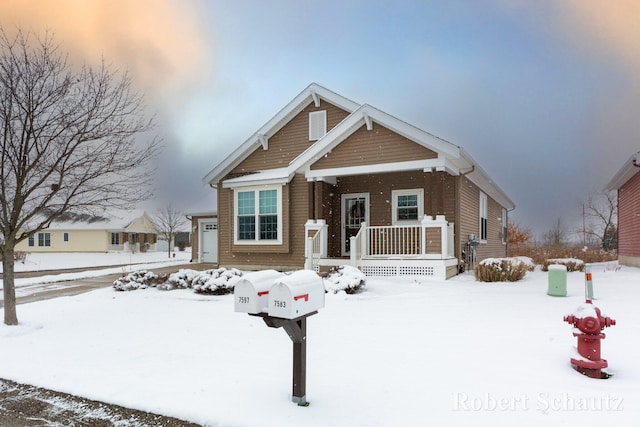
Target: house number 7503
[(279, 304)]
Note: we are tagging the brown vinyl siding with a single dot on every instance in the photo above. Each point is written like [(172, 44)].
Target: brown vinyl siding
[(290, 141), (470, 221), (628, 219), (289, 255), (379, 145)]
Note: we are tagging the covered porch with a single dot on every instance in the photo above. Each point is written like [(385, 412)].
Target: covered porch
[(425, 249)]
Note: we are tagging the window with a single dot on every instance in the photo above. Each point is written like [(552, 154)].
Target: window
[(408, 205), (504, 227), (483, 216), (32, 241), (44, 239), (317, 125), (115, 238), (259, 216), (65, 237)]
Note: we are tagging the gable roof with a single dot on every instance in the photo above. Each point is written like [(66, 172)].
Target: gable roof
[(312, 93), (626, 172), (450, 157), (112, 220)]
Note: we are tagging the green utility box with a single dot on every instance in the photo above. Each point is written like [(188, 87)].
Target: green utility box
[(557, 281)]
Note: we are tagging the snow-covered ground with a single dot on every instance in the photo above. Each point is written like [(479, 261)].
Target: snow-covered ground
[(125, 262), (400, 353)]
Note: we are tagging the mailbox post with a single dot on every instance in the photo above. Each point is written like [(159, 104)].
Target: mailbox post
[(297, 331), (291, 299)]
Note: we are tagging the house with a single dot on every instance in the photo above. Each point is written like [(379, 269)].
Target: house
[(115, 230), (328, 181), (627, 183), (204, 227)]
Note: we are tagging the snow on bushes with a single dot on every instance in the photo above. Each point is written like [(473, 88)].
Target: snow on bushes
[(345, 278), (140, 279), (214, 282), (501, 269)]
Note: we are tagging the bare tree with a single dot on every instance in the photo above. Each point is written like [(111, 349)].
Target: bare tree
[(69, 143), (601, 211), (556, 235), (168, 222)]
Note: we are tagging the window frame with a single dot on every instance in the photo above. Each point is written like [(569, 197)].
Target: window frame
[(257, 216), (46, 238), (419, 192), (31, 241), (317, 124), (65, 236), (483, 214)]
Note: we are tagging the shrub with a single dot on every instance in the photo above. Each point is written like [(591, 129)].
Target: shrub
[(501, 270), (18, 256), (217, 282), (140, 279), (540, 254), (214, 282), (572, 264), (345, 278)]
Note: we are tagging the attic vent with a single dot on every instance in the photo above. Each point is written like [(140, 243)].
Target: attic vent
[(317, 124)]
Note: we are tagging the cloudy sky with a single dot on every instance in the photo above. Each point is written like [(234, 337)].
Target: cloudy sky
[(544, 94)]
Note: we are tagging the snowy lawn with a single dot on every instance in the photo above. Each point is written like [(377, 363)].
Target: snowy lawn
[(400, 353), (126, 261)]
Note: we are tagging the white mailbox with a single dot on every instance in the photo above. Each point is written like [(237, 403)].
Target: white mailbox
[(251, 293), (296, 294)]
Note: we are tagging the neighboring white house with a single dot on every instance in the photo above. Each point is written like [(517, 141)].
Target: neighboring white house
[(115, 230)]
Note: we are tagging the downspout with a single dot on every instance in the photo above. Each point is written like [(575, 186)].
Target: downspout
[(458, 237)]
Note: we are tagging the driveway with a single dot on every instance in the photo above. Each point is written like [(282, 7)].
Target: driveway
[(26, 405), (43, 291)]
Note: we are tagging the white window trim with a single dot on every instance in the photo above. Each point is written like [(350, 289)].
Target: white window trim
[(317, 124), (483, 213), (44, 239), (257, 241), (394, 205)]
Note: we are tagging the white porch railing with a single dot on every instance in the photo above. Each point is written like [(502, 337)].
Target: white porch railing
[(316, 243), (431, 239)]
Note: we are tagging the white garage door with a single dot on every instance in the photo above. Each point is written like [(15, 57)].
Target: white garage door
[(209, 241)]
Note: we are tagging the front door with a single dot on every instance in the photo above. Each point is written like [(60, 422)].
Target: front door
[(209, 241), (355, 211)]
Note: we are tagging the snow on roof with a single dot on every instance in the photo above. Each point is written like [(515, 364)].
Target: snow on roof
[(451, 158), (114, 219), (270, 176), (626, 172)]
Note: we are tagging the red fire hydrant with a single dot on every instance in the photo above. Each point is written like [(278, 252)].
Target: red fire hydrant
[(589, 323)]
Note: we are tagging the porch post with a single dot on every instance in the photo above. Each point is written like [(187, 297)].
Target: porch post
[(423, 234), (308, 254), (444, 238)]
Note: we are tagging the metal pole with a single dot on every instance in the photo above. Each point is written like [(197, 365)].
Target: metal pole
[(588, 282)]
